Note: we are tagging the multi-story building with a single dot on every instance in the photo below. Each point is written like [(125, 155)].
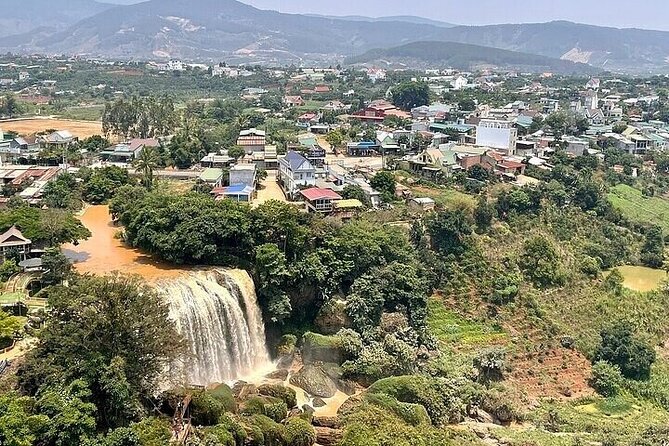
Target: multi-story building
[(295, 172), (497, 134)]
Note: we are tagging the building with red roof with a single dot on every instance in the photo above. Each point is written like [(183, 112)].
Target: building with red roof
[(320, 200)]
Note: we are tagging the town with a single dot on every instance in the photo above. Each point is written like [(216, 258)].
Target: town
[(345, 253)]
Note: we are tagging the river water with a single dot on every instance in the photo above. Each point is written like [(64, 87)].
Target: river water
[(104, 252)]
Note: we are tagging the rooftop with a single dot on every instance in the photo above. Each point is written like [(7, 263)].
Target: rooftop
[(316, 193)]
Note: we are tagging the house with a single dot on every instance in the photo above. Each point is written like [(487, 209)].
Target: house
[(271, 159), (335, 106), (216, 160), (459, 83), (376, 74), (346, 209), (252, 140), (237, 192), (576, 146), (421, 204), (295, 171), (245, 174), (497, 134), (212, 176), (128, 151), (321, 89), (293, 101), (320, 200), (362, 148), (59, 138), (13, 242), (307, 119)]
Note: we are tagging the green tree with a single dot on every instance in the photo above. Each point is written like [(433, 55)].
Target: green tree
[(606, 379), (540, 262), (384, 182), (408, 95), (9, 327), (484, 214), (56, 266), (236, 152), (146, 163), (652, 251), (112, 332), (352, 191), (621, 348), (449, 231), (71, 414), (20, 425)]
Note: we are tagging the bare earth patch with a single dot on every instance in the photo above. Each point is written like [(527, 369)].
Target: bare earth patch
[(26, 127)]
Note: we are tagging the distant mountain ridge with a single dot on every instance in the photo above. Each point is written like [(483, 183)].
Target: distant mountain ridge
[(395, 18), (21, 16), (214, 30), (466, 57)]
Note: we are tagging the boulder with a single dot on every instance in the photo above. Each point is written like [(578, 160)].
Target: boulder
[(322, 421), (280, 374), (318, 402), (326, 436), (241, 390), (320, 348), (313, 379), (332, 317), (350, 405)]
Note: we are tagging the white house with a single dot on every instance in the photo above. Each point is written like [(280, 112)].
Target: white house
[(497, 134), (295, 171)]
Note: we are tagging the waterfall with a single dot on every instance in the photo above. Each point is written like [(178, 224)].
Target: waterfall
[(217, 313)]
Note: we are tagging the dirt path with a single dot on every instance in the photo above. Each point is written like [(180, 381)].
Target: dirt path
[(269, 190)]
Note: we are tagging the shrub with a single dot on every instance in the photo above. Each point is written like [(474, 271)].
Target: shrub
[(490, 364), (619, 347), (299, 433), (589, 266), (279, 391), (444, 400), (286, 345), (606, 379), (207, 407)]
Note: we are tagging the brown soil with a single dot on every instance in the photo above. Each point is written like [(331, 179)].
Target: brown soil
[(27, 127), (550, 373)]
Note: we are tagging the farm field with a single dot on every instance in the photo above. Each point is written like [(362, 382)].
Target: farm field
[(82, 129), (636, 207)]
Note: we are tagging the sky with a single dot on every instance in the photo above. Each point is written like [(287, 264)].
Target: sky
[(647, 14)]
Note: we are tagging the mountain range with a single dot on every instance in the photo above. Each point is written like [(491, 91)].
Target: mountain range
[(465, 57), (214, 30)]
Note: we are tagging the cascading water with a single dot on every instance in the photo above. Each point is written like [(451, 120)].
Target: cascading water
[(217, 312)]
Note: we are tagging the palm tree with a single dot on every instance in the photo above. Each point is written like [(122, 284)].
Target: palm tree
[(146, 163)]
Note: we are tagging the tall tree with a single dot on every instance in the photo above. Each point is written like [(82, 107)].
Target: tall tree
[(146, 163)]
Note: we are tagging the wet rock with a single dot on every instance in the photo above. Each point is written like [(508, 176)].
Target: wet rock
[(332, 317), (350, 405), (346, 386), (314, 380), (285, 361), (326, 436), (322, 421), (318, 402), (295, 412), (281, 374), (242, 390)]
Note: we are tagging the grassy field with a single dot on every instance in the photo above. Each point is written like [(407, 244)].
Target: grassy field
[(89, 113), (636, 207), (450, 328)]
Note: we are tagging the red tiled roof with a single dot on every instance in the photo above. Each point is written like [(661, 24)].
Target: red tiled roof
[(316, 193), (511, 164)]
